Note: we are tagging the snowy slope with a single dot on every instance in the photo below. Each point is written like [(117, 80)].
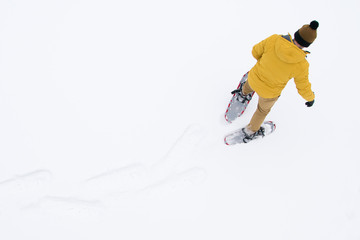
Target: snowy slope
[(112, 122)]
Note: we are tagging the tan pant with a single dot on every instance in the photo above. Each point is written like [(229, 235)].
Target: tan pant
[(263, 108)]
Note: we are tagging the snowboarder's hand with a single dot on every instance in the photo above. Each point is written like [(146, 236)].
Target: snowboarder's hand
[(309, 104)]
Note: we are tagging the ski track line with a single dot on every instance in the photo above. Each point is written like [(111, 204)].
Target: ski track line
[(137, 176), (166, 186), (67, 206), (26, 182), (124, 179), (182, 147), (118, 171), (191, 137), (183, 179)]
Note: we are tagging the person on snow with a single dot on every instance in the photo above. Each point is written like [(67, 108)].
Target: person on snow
[(279, 59)]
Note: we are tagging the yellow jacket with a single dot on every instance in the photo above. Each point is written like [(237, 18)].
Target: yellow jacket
[(278, 61)]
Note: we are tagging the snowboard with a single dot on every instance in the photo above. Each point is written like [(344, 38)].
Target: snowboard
[(239, 136), (237, 106)]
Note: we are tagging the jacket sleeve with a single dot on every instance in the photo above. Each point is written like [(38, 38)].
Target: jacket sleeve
[(258, 49), (304, 86)]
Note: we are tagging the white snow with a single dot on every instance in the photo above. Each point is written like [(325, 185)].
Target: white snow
[(112, 122)]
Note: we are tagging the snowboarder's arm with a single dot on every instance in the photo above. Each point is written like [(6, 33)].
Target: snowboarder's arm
[(304, 86), (258, 49)]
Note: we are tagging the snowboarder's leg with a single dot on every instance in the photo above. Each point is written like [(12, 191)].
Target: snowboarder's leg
[(247, 89), (263, 108)]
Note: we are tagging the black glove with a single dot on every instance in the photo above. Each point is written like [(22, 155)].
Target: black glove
[(309, 104)]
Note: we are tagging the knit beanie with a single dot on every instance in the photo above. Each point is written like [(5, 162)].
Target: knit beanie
[(307, 34)]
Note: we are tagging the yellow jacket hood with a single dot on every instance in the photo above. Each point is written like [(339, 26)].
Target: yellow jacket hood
[(288, 53)]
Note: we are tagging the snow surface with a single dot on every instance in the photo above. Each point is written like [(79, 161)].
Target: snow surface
[(112, 122)]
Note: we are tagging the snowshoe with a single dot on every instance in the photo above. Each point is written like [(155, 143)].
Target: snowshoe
[(242, 135), (238, 102)]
